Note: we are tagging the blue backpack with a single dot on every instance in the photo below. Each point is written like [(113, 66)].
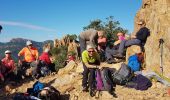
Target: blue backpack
[(38, 86), (133, 63)]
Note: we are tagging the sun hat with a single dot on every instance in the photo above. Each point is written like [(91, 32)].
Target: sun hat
[(7, 51), (28, 43)]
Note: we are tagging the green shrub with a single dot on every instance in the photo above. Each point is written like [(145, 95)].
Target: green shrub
[(60, 55)]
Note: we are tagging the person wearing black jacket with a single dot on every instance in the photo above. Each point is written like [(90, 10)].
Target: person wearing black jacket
[(139, 39)]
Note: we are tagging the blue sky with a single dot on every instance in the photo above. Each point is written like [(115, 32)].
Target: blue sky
[(41, 20)]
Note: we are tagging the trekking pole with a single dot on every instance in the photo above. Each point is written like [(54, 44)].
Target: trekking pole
[(161, 41)]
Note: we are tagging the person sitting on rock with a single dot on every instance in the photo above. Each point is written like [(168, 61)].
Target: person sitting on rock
[(111, 51), (44, 65), (8, 65), (91, 60), (121, 37), (30, 54), (139, 39), (45, 58), (70, 57)]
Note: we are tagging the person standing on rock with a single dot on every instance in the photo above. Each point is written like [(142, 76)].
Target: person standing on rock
[(89, 36), (91, 60), (138, 39)]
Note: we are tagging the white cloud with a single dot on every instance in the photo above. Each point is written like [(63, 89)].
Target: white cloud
[(20, 24)]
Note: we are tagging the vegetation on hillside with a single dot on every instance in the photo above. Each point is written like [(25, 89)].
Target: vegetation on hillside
[(110, 26)]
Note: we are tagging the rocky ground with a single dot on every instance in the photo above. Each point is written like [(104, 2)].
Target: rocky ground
[(68, 82)]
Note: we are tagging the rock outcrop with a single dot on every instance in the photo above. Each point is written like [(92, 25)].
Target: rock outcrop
[(156, 14)]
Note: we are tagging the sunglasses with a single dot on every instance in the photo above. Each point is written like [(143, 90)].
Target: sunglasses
[(91, 51)]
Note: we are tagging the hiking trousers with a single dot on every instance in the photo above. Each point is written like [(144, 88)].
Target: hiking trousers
[(88, 77), (110, 52), (82, 44), (127, 43)]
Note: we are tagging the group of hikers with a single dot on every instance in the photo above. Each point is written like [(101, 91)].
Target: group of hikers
[(29, 63), (93, 46)]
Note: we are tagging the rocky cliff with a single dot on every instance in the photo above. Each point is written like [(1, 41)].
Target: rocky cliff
[(156, 14)]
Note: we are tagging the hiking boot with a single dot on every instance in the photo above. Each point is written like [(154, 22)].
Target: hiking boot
[(110, 61), (113, 94), (92, 93), (85, 89)]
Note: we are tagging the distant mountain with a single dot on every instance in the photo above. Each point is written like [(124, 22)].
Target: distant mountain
[(16, 44)]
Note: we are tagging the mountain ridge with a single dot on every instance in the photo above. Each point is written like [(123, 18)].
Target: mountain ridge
[(16, 44)]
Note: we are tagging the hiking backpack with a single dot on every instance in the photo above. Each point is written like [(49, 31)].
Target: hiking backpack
[(99, 82), (139, 82), (51, 94), (103, 80), (134, 63), (123, 75), (106, 79), (38, 86)]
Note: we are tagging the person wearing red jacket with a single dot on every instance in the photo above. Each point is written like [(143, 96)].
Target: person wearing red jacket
[(8, 66), (45, 65), (45, 57)]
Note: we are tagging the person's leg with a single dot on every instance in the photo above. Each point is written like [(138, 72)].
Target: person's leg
[(85, 78), (92, 82), (122, 46), (132, 42), (109, 55), (127, 43), (92, 79), (52, 67), (82, 44)]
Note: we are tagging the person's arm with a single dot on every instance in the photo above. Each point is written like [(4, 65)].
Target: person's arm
[(90, 66), (117, 42), (93, 39), (37, 55), (20, 54)]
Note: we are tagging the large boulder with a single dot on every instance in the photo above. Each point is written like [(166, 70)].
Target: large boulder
[(156, 14), (132, 50), (70, 67)]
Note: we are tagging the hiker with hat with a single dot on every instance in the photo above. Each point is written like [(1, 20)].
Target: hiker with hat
[(138, 39), (8, 66), (91, 61), (30, 55), (89, 36)]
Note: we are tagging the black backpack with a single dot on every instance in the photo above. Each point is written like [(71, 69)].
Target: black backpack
[(123, 75), (107, 79), (53, 94), (139, 82)]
